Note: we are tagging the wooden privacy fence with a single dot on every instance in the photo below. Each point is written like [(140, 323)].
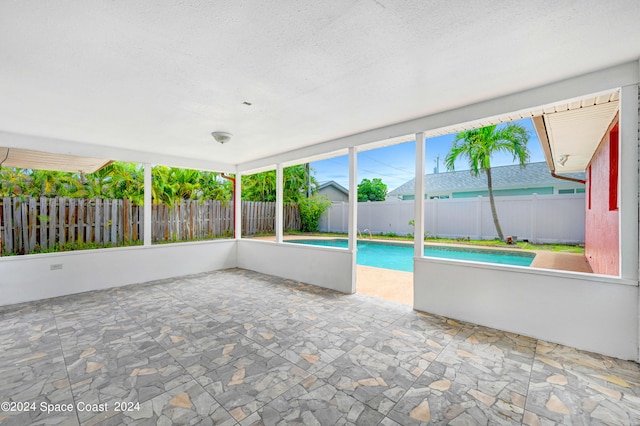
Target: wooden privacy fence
[(191, 220), (30, 225), (260, 217)]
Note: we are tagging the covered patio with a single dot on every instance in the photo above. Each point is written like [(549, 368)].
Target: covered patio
[(242, 331), (239, 347)]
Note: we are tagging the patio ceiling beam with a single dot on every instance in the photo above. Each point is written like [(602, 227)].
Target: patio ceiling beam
[(594, 82)]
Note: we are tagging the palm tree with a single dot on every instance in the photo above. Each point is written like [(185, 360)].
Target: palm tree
[(13, 182), (49, 183), (185, 182), (212, 187), (262, 186), (298, 182), (478, 145), (163, 191)]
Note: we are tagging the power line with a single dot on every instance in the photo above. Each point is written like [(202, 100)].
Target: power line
[(375, 172), (382, 174), (385, 164)]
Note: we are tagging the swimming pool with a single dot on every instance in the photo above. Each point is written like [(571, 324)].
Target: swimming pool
[(399, 256)]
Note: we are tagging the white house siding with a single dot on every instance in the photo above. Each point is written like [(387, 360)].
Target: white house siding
[(334, 194)]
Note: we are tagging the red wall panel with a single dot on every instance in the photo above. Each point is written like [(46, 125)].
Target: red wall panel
[(602, 246)]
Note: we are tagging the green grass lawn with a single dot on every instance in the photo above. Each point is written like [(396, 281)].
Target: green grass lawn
[(485, 243)]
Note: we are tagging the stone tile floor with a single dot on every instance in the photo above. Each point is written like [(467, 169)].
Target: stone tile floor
[(237, 347)]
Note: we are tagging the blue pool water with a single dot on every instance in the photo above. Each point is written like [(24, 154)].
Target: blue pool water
[(399, 256)]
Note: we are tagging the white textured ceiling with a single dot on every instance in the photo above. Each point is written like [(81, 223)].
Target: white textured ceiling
[(158, 77)]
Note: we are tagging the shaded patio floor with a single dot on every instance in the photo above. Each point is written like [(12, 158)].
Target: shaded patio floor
[(237, 347)]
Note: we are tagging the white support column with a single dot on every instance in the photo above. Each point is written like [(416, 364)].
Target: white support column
[(628, 182), (353, 199), (238, 207), (279, 201), (353, 213), (147, 204), (418, 216)]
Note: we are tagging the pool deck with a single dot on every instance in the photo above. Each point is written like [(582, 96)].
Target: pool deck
[(387, 284), (563, 261)]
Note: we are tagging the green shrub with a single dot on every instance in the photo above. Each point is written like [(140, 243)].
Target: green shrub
[(310, 211)]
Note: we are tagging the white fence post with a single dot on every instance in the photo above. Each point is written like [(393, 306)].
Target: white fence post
[(534, 215), (436, 216), (479, 216)]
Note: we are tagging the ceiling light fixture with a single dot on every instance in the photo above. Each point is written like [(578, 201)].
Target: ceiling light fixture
[(222, 137), (563, 159)]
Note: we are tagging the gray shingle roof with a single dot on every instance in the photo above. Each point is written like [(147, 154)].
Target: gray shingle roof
[(533, 175), (333, 183)]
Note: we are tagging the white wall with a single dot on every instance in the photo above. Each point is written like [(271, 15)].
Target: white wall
[(326, 267), (590, 312), (27, 278), (538, 218), (30, 277)]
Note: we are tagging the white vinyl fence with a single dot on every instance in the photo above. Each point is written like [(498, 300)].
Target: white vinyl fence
[(537, 218)]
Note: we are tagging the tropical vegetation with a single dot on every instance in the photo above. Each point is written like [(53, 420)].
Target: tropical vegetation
[(169, 184), (297, 183), (116, 181), (310, 211), (299, 187), (479, 145)]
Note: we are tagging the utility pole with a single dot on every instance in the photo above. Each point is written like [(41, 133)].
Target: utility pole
[(308, 180)]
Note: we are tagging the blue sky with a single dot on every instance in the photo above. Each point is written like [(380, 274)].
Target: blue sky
[(395, 164)]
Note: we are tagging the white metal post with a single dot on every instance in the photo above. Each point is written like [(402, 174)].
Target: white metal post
[(279, 201), (628, 182), (418, 216), (238, 207), (353, 214), (147, 204), (353, 199)]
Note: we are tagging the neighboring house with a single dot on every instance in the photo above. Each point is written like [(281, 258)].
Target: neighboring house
[(585, 138), (334, 191), (534, 178)]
